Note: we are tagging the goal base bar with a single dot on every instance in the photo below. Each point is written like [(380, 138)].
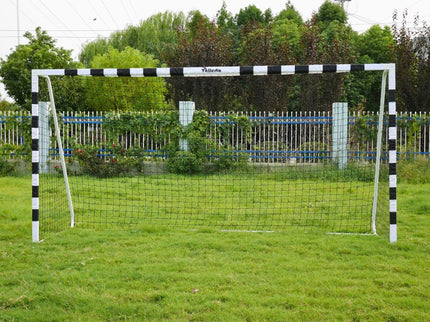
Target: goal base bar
[(353, 234)]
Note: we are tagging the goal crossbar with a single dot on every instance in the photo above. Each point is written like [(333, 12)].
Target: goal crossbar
[(221, 71)]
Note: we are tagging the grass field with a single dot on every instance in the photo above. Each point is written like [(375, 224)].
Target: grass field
[(153, 273), (270, 199)]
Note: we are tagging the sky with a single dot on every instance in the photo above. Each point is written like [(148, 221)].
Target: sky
[(75, 22)]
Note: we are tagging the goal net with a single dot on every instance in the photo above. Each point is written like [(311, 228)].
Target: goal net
[(333, 172)]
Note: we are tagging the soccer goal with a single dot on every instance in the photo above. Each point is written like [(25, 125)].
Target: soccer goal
[(188, 168)]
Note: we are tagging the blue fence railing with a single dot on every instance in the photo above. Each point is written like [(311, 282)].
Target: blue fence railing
[(274, 136)]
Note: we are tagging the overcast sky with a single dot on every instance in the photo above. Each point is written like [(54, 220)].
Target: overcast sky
[(74, 22)]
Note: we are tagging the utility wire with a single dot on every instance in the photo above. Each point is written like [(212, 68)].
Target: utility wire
[(22, 12), (133, 8), (110, 14), (58, 19), (96, 15), (126, 11), (79, 15)]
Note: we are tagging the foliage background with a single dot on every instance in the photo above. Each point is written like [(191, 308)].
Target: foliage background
[(250, 37)]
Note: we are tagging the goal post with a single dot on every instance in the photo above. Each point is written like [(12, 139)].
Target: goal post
[(266, 207)]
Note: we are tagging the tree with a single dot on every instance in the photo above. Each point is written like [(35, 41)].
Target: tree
[(152, 36), (290, 13), (227, 24), (411, 54), (208, 47), (39, 53), (329, 12), (196, 20), (363, 89), (256, 37), (6, 106), (138, 94), (287, 28), (263, 93), (377, 44), (327, 42), (224, 19), (251, 14)]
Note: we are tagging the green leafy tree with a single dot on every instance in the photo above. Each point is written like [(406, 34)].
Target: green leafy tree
[(196, 21), (329, 12), (40, 53), (251, 14), (99, 46), (377, 43), (290, 13), (287, 29), (139, 94), (256, 37), (152, 36), (323, 42), (362, 90), (7, 106), (225, 19)]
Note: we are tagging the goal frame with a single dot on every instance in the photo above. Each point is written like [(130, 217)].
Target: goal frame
[(389, 71)]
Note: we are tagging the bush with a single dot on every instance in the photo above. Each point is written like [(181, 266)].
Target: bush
[(5, 167), (228, 159), (200, 146), (203, 155), (104, 163), (184, 162)]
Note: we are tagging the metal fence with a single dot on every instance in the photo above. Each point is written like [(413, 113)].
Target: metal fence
[(273, 137)]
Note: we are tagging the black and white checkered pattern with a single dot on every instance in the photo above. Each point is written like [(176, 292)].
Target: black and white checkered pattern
[(221, 71), (392, 143), (35, 155)]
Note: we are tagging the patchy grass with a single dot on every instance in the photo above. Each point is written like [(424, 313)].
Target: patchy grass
[(153, 273)]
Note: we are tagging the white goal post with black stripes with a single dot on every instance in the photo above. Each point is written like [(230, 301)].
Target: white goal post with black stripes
[(321, 193)]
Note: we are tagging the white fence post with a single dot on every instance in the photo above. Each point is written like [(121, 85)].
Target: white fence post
[(340, 134), (44, 139), (186, 112)]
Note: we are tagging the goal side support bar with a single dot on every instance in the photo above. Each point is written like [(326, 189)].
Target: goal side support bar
[(392, 150), (61, 152), (221, 71), (35, 155), (379, 149)]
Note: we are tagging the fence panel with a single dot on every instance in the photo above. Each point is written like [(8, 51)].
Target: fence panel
[(272, 137)]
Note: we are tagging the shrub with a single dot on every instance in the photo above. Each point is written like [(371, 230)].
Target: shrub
[(200, 146), (184, 162), (104, 163), (5, 167), (203, 155), (229, 159)]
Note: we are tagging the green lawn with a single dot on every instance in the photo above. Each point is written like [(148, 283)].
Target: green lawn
[(154, 273), (228, 201)]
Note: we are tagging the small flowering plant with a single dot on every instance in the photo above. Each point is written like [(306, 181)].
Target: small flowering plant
[(103, 159)]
